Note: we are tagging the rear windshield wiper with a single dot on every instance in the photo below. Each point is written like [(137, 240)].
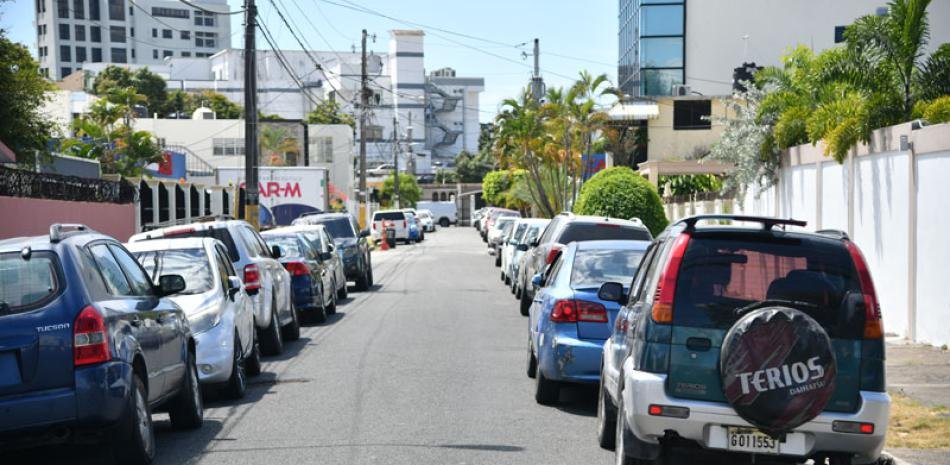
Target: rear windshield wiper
[(774, 302)]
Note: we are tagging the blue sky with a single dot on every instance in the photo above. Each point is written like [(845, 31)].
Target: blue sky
[(585, 32)]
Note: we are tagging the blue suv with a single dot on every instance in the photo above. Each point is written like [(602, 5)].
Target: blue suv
[(89, 346)]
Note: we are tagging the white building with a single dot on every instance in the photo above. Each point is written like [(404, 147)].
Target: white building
[(71, 33), (441, 109)]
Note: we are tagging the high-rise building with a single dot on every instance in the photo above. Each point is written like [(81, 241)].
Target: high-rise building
[(73, 32), (683, 47)]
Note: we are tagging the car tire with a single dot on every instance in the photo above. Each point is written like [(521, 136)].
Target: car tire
[(507, 280), (625, 443), (532, 370), (318, 314), (187, 410), (606, 417), (135, 443), (502, 274), (525, 303), (331, 310), (497, 259), (292, 330), (444, 222), (517, 291), (371, 276), (252, 363), (362, 283), (272, 342), (236, 386), (546, 391), (343, 292)]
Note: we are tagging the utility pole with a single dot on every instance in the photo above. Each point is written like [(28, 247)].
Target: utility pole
[(395, 161), (412, 161), (537, 83), (250, 116), (364, 102)]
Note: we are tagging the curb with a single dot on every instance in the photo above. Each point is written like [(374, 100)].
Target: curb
[(893, 459)]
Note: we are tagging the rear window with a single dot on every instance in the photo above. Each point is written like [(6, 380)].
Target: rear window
[(339, 228), (595, 267), (290, 246), (720, 275), (392, 216), (601, 231), (191, 264), (221, 234), (25, 284)]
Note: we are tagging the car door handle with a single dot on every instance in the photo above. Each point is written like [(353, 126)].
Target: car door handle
[(701, 344)]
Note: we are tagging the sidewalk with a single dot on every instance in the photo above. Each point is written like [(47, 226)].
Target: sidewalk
[(921, 373)]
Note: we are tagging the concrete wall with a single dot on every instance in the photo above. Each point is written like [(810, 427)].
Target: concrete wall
[(34, 216), (665, 143), (890, 197)]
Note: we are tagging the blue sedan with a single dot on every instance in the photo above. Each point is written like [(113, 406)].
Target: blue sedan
[(568, 322)]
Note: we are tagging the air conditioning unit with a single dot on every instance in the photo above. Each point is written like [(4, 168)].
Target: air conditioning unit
[(680, 90)]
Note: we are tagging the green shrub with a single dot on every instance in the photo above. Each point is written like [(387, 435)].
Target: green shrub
[(938, 110), (618, 192)]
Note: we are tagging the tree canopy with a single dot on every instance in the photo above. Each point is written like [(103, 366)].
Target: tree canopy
[(23, 92), (409, 191), (329, 112), (146, 83)]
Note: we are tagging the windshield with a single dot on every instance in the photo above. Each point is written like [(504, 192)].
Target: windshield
[(595, 267), (24, 283), (601, 231), (191, 264), (338, 228), (393, 216)]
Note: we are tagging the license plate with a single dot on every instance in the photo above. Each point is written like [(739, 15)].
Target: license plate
[(751, 440)]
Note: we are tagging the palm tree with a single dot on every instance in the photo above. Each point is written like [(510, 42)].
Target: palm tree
[(519, 136), (275, 143)]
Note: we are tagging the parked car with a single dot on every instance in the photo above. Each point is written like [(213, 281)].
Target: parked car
[(569, 317), (416, 232), (519, 232), (319, 237), (350, 243), (493, 216), (265, 280), (427, 178), (91, 347), (218, 308), (497, 235), (399, 221), (565, 228), (385, 169), (761, 341), (476, 217), (428, 223), (312, 282), (444, 213), (530, 236)]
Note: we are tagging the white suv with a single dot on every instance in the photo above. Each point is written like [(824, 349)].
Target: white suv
[(399, 220), (265, 279)]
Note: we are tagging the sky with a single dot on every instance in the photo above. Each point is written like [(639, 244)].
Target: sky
[(574, 35)]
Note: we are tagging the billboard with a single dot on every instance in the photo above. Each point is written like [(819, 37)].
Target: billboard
[(285, 192)]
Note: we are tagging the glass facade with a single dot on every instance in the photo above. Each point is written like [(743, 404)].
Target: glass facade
[(652, 46)]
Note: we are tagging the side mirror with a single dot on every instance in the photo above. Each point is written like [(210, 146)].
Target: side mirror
[(523, 247), (537, 280), (365, 233), (234, 285), (331, 247), (324, 256), (170, 284), (276, 252), (611, 292)]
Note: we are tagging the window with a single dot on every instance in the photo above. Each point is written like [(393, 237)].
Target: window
[(202, 55), (254, 246), (154, 54), (166, 33), (205, 39), (595, 267), (141, 285), (661, 52), (661, 20), (117, 34), (322, 149), (204, 18), (95, 34), (62, 8), (80, 54), (186, 54), (80, 33), (131, 32), (223, 147), (167, 53), (28, 283), (119, 55), (131, 11), (224, 268), (97, 55), (185, 35), (691, 114), (115, 280), (601, 231), (63, 32), (40, 6), (839, 34), (133, 53), (191, 264), (374, 132), (65, 53), (94, 10), (65, 71), (117, 11), (79, 9), (659, 81), (154, 32), (170, 12)]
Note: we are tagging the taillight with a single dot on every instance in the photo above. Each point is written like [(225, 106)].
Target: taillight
[(663, 301), (252, 278), (90, 340), (564, 312), (873, 328), (405, 224), (374, 226), (552, 254), (297, 268), (592, 312)]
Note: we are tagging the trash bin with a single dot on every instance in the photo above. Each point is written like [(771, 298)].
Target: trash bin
[(390, 235)]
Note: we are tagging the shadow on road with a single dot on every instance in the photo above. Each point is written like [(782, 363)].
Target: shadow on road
[(578, 399)]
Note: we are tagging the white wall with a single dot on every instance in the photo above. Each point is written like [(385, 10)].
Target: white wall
[(933, 248)]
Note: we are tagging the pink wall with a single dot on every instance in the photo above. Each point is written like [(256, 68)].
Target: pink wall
[(21, 216)]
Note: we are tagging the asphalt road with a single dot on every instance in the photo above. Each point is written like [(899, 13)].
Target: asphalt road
[(428, 368)]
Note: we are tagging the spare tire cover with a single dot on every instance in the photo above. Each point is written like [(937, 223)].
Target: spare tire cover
[(778, 368)]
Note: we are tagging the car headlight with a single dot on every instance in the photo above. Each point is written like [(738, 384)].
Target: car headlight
[(349, 252), (203, 322)]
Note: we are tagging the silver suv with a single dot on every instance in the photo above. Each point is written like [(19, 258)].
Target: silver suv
[(265, 279)]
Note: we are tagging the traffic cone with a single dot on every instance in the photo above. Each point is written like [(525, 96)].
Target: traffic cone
[(384, 241)]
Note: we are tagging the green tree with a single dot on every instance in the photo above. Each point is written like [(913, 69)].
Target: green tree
[(112, 77), (494, 184), (618, 192), (277, 145), (689, 184), (472, 167), (329, 112), (933, 81), (145, 83), (409, 191), (220, 104), (23, 92)]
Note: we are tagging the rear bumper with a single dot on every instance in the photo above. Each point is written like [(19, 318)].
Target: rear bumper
[(98, 401), (351, 268), (563, 358), (707, 421), (303, 294)]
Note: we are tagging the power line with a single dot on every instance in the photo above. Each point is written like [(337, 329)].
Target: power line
[(284, 64)]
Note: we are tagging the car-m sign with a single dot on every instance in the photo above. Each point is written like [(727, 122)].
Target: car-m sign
[(285, 192)]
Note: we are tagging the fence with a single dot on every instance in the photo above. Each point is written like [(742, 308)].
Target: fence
[(890, 197)]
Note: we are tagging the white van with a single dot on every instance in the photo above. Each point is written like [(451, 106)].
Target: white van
[(443, 213)]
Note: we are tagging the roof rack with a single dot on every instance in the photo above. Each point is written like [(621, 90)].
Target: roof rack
[(767, 222), (60, 231), (835, 233)]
